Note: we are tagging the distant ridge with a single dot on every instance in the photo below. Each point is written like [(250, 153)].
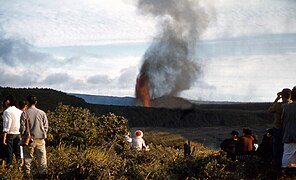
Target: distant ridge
[(106, 100), (48, 99), (200, 115)]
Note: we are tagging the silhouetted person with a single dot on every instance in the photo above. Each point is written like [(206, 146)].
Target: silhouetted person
[(289, 132), (265, 147), (277, 133), (228, 145)]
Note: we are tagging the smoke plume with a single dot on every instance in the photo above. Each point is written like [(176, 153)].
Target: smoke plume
[(170, 62)]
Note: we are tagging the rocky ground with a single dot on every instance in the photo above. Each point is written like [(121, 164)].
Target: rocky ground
[(172, 121), (210, 137)]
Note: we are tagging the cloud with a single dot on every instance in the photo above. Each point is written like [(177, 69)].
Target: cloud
[(240, 18), (127, 78), (122, 85), (23, 66), (83, 22), (71, 84), (99, 79), (254, 78), (57, 78), (20, 65), (15, 51), (17, 79), (95, 22)]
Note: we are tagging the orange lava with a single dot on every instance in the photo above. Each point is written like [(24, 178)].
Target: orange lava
[(142, 90)]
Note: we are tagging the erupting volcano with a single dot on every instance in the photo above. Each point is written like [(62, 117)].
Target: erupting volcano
[(142, 90), (170, 64)]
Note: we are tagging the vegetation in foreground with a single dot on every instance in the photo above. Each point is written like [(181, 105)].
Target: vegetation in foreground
[(81, 145)]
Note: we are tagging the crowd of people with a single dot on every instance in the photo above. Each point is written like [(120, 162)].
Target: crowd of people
[(240, 147), (19, 120), (278, 144)]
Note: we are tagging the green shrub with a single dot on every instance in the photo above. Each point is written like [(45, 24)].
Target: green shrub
[(71, 126), (89, 163), (66, 162), (111, 129), (149, 164), (218, 166), (79, 127)]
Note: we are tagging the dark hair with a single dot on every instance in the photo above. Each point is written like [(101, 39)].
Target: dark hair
[(234, 132), (32, 99), (11, 100), (269, 130), (22, 104), (247, 131), (293, 94), (286, 93)]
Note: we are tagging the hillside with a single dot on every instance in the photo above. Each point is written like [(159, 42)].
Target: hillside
[(206, 123), (48, 99), (202, 115)]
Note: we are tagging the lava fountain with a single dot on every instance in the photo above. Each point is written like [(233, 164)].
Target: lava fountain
[(142, 90)]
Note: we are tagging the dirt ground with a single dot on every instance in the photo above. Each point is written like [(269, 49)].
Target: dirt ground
[(210, 137)]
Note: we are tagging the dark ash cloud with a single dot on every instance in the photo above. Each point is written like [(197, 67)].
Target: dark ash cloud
[(170, 62)]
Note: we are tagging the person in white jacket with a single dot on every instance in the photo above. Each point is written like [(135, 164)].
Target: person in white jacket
[(11, 130), (137, 142)]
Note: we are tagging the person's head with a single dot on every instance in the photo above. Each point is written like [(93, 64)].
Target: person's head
[(22, 105), (32, 99), (234, 134), (269, 132), (293, 94), (247, 131), (10, 101), (286, 94), (138, 134)]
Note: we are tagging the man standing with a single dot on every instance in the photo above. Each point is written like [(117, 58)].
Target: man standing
[(11, 127), (289, 133), (38, 126), (277, 133)]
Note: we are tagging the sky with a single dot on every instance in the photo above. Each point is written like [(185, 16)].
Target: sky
[(246, 52)]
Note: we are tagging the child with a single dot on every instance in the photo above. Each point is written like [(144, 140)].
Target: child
[(137, 142)]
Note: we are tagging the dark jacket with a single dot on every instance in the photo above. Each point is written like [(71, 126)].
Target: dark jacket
[(265, 148), (289, 123), (228, 145)]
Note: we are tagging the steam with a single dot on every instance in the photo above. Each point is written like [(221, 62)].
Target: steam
[(170, 62)]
